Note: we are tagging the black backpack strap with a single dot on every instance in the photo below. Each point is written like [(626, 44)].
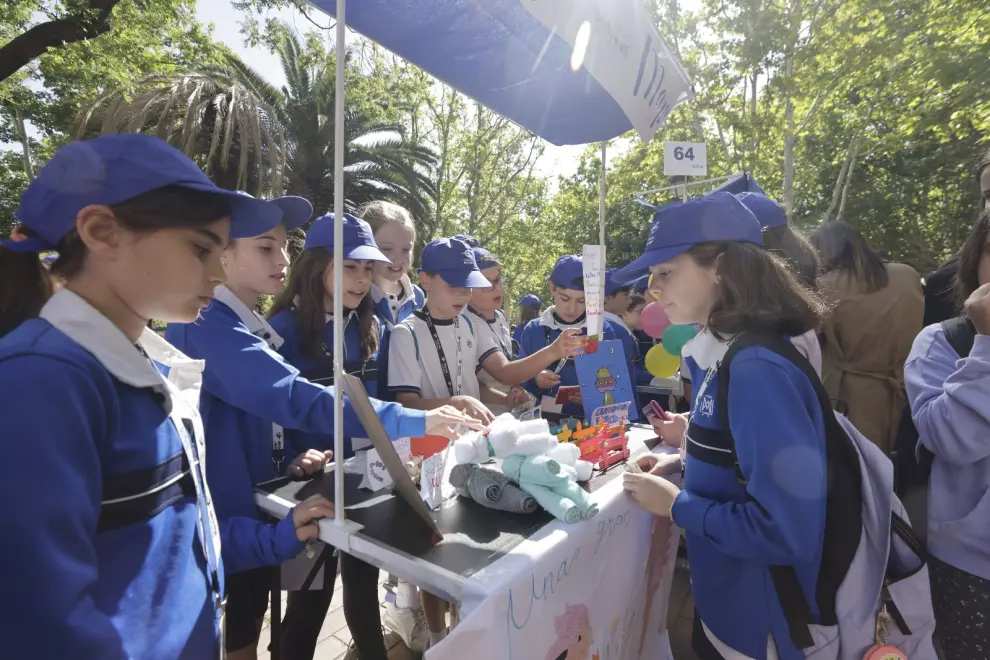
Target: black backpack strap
[(844, 500), (961, 334)]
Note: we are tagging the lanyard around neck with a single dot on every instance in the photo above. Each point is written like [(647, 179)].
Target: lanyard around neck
[(442, 356)]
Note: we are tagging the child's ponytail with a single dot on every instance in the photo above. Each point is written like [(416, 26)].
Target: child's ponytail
[(25, 287)]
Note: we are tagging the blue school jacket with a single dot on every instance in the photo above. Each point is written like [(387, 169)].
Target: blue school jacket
[(734, 533), (542, 332), (243, 373), (98, 560), (286, 324)]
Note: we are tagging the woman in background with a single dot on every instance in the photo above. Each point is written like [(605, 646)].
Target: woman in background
[(878, 311)]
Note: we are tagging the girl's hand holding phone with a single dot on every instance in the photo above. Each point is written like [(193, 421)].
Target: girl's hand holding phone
[(307, 513), (672, 429), (309, 462)]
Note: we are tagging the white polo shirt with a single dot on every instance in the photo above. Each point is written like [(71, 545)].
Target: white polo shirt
[(414, 363)]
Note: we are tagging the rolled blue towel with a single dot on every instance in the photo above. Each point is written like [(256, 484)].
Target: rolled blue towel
[(541, 470), (554, 503), (491, 488)]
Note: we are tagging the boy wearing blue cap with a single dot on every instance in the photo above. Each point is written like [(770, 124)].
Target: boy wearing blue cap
[(250, 394), (529, 309), (485, 309), (114, 550), (618, 298), (567, 314), (435, 356), (755, 482)]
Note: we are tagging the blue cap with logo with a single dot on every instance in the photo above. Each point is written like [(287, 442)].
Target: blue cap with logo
[(531, 300), (680, 226), (470, 240), (453, 260), (568, 272), (640, 285), (359, 241), (296, 211), (611, 284), (767, 211), (111, 169), (485, 259)]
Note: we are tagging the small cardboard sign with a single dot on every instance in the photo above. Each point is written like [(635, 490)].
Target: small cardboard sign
[(612, 415)]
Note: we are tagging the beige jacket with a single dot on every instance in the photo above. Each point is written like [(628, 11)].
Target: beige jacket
[(865, 341)]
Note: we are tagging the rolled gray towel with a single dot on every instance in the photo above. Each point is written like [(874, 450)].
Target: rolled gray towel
[(489, 487)]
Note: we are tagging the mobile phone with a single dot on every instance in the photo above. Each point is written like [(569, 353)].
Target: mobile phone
[(653, 411)]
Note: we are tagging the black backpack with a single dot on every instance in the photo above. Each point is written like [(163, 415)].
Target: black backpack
[(911, 470)]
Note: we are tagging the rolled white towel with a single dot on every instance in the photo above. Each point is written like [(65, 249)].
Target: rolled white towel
[(565, 453), (584, 469), (471, 448)]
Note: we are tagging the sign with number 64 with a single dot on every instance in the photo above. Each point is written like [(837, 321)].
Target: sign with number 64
[(685, 159)]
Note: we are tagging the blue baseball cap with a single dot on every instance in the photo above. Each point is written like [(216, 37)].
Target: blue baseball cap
[(767, 211), (470, 240), (111, 169), (611, 284), (359, 241), (531, 300), (642, 284), (296, 211), (453, 260), (484, 258), (568, 272), (680, 226)]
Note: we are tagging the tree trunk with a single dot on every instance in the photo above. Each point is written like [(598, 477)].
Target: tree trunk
[(839, 182), (90, 21), (25, 144)]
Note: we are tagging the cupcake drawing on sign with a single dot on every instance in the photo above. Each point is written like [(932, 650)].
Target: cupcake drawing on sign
[(574, 635)]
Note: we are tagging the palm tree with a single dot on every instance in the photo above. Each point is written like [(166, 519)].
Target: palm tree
[(249, 135)]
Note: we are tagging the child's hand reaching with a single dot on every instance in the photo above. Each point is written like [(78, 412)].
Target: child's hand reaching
[(309, 462), (472, 407), (659, 464), (518, 397), (651, 493), (447, 420), (547, 380), (570, 343)]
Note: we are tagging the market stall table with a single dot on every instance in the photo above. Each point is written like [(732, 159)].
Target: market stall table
[(394, 539)]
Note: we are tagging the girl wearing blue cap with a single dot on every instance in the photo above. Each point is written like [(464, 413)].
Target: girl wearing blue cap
[(566, 313), (114, 549), (781, 239), (302, 317), (768, 509), (249, 395)]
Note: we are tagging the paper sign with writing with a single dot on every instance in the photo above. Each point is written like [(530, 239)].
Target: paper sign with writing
[(603, 377), (376, 476), (599, 593), (434, 484), (593, 258), (612, 415)]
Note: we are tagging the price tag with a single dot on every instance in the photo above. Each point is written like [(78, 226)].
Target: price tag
[(685, 159)]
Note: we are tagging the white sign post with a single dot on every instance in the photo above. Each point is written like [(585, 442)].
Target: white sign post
[(593, 258), (685, 159)]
